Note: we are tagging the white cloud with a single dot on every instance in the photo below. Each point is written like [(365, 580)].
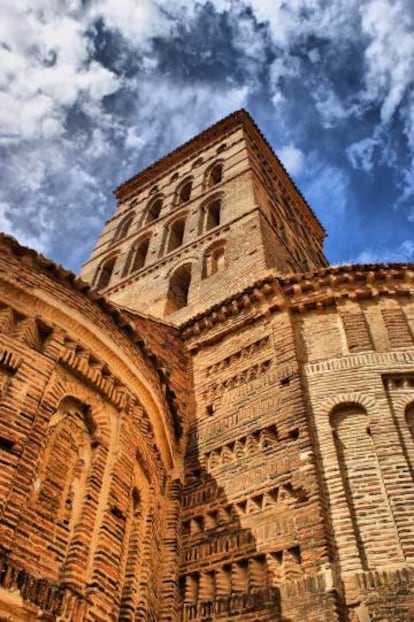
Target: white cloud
[(389, 55), (46, 69), (134, 139), (329, 106), (402, 253), (292, 158), (137, 21), (21, 233), (361, 154)]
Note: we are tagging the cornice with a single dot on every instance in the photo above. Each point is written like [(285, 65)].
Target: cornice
[(300, 293), (158, 168)]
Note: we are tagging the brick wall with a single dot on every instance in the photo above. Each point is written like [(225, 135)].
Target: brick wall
[(89, 442), (299, 458)]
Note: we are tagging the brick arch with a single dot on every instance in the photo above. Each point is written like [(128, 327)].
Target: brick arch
[(344, 399), (191, 260), (169, 232), (74, 565), (179, 287), (409, 418), (187, 181), (104, 274), (218, 242), (137, 254), (182, 214), (360, 471), (75, 429), (151, 213), (207, 173), (64, 386), (63, 493), (402, 403), (216, 195), (210, 212), (123, 226)]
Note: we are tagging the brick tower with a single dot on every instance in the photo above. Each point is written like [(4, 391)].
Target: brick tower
[(202, 223), (289, 501)]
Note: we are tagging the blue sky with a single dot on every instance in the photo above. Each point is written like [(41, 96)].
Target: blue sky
[(92, 91)]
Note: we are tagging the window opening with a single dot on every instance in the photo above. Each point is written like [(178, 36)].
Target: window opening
[(177, 296), (213, 261), (184, 193), (213, 215), (215, 175), (176, 236), (123, 227), (154, 210), (105, 273), (140, 255)]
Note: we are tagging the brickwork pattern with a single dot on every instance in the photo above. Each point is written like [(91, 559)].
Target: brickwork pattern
[(249, 457), (89, 440)]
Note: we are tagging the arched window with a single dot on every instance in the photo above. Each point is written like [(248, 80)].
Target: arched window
[(210, 215), (214, 175), (123, 227), (138, 256), (154, 209), (213, 259), (213, 214), (184, 191), (104, 272), (176, 234), (177, 296)]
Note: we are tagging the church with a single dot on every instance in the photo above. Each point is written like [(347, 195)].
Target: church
[(212, 423)]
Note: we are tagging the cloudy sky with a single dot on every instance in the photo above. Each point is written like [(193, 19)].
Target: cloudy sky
[(92, 91)]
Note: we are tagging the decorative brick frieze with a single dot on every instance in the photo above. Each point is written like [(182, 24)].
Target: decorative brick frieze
[(78, 360), (249, 351), (235, 604)]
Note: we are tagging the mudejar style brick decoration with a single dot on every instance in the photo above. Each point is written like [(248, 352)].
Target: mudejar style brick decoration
[(219, 426)]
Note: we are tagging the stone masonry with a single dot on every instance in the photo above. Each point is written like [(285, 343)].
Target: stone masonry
[(220, 426)]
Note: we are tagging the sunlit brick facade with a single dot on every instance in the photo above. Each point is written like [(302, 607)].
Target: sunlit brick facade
[(220, 426)]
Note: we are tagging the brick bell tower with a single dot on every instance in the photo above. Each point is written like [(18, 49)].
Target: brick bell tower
[(202, 223)]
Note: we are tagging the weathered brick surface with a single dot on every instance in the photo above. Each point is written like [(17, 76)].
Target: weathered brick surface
[(250, 457), (90, 432)]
